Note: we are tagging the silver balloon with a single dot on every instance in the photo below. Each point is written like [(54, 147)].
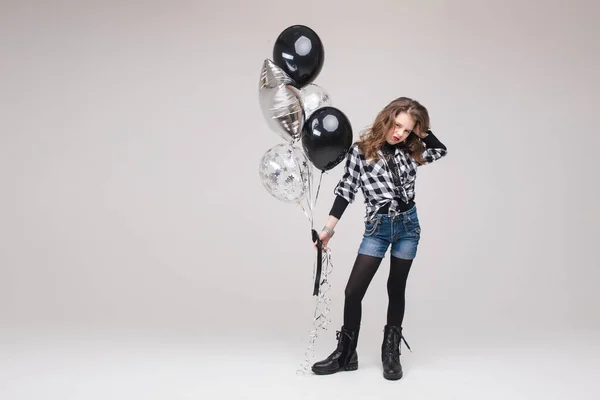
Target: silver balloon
[(272, 76), (314, 97), (281, 107), (284, 172)]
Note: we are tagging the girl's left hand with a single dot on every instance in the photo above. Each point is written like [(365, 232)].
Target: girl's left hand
[(422, 134)]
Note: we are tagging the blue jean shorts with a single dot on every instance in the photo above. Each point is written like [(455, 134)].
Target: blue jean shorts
[(402, 232)]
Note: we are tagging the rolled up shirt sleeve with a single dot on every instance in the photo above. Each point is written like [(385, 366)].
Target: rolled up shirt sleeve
[(349, 184), (434, 149)]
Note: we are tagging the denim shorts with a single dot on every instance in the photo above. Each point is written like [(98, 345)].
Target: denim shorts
[(402, 232)]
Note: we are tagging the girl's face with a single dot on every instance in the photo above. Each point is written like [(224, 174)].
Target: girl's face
[(404, 126)]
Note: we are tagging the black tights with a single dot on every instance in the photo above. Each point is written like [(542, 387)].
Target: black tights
[(362, 273)]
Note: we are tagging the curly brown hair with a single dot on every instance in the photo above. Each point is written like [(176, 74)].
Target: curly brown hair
[(375, 136)]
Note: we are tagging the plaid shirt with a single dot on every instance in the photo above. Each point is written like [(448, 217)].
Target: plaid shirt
[(376, 181)]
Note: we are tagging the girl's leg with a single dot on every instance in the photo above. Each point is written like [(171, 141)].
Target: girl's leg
[(363, 271), (396, 286)]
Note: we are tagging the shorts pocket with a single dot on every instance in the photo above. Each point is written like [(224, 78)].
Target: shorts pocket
[(412, 225), (372, 227)]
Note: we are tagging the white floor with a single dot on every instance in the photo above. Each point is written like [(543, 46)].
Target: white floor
[(86, 367)]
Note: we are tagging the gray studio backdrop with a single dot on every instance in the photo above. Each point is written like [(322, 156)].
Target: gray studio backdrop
[(130, 134)]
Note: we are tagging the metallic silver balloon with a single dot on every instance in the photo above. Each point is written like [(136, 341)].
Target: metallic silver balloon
[(314, 97), (284, 171), (281, 107), (272, 76)]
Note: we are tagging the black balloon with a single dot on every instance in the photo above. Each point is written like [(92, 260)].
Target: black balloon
[(299, 52), (326, 137)]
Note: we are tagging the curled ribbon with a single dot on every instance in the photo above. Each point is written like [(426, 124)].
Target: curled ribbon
[(320, 315)]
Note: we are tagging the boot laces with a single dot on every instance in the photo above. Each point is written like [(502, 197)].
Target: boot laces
[(407, 346), (392, 346)]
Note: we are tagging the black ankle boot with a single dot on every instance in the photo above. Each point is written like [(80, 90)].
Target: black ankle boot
[(390, 352), (344, 358)]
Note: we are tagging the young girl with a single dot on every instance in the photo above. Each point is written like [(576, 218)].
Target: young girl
[(383, 164)]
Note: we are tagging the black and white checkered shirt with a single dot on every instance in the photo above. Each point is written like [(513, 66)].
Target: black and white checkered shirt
[(376, 180)]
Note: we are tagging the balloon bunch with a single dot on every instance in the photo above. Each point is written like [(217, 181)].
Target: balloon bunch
[(301, 112)]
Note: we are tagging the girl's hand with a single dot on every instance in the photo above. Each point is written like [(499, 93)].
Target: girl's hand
[(422, 135), (324, 236)]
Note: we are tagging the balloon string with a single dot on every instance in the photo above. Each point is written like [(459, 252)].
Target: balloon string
[(309, 206), (318, 190), (306, 212), (320, 276), (309, 199)]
